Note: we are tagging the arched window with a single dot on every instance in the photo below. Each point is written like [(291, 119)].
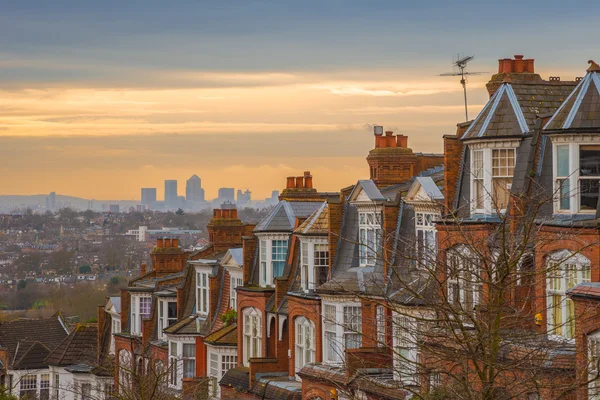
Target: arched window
[(252, 333), (464, 279), (593, 358), (305, 342), (565, 270), (125, 369)]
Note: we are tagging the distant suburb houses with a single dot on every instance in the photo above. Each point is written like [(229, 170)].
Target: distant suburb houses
[(472, 274)]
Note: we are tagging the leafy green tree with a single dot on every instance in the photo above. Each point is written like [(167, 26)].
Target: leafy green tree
[(22, 284), (85, 269)]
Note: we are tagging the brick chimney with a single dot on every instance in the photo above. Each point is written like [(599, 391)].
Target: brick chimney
[(517, 69), (225, 229), (167, 256), (392, 161), (300, 188)]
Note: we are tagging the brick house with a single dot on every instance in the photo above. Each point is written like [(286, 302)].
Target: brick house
[(25, 345), (156, 330), (317, 259)]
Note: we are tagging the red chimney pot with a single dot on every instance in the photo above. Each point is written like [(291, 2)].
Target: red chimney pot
[(291, 182)]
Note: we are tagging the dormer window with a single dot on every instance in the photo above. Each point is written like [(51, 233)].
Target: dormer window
[(369, 232), (315, 263), (167, 315), (576, 176), (140, 310), (492, 171), (202, 292), (273, 253)]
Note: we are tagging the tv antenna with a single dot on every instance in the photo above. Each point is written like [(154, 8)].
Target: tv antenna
[(461, 64)]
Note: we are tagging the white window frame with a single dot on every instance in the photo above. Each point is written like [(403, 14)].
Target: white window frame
[(369, 235), (305, 342), (219, 360), (252, 333), (573, 142), (485, 173), (115, 327), (466, 278), (427, 247), (236, 281), (136, 312), (308, 255), (266, 261), (202, 291), (336, 331), (380, 323), (177, 359), (163, 319), (405, 348), (565, 270)]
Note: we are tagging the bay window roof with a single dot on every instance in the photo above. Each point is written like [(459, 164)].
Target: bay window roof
[(317, 224), (283, 217), (514, 108), (581, 109)]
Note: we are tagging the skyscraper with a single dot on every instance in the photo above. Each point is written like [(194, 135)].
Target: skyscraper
[(193, 189), (227, 194), (148, 196), (170, 193), (51, 201)]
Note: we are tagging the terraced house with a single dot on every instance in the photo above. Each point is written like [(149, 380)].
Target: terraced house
[(469, 274)]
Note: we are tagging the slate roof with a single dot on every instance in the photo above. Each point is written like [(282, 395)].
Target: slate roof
[(80, 347), (190, 325), (116, 302), (514, 107), (237, 378), (586, 289), (283, 217), (30, 355), (582, 107), (317, 223), (226, 336), (429, 186), (370, 189), (21, 334), (238, 255)]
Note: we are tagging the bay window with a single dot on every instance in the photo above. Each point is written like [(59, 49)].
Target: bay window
[(44, 386), (252, 333), (167, 315), (140, 309), (202, 292), (305, 342), (464, 280), (492, 171), (272, 254), (405, 348), (342, 329), (182, 361), (28, 386), (369, 236), (565, 270), (576, 175), (314, 264)]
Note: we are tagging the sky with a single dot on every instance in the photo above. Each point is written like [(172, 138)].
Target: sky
[(99, 99)]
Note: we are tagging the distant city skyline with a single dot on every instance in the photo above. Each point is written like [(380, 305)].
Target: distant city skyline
[(100, 99)]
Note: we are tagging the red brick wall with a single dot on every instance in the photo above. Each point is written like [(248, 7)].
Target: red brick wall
[(310, 309), (336, 214), (125, 305), (587, 321), (258, 300), (452, 160), (228, 393), (250, 244)]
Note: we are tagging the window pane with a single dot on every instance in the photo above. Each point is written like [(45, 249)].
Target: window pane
[(589, 160), (189, 350), (588, 193), (562, 155), (564, 189)]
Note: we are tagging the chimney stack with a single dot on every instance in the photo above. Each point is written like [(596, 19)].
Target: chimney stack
[(160, 242), (308, 180), (291, 182), (299, 182), (143, 269), (518, 65)]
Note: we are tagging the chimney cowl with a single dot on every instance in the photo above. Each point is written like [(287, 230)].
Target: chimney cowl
[(378, 130), (389, 133)]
